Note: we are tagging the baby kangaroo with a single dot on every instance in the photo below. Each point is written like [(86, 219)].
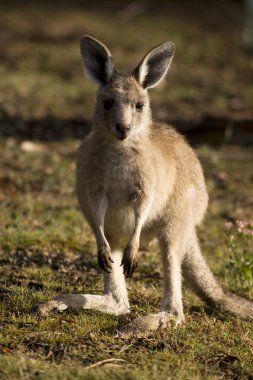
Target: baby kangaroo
[(138, 180)]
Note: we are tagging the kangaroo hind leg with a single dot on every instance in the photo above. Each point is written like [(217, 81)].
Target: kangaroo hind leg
[(171, 305), (113, 301)]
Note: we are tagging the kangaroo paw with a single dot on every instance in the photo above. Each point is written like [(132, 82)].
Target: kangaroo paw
[(129, 260), (104, 259)]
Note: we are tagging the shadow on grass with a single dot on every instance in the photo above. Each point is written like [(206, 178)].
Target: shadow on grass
[(56, 260)]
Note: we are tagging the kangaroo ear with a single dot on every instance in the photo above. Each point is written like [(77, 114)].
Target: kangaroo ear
[(97, 60), (154, 65)]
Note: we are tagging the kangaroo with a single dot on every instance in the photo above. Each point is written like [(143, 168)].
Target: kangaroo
[(137, 180)]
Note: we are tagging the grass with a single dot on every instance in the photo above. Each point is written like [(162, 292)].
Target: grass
[(46, 247)]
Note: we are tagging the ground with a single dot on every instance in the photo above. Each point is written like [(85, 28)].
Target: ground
[(47, 248)]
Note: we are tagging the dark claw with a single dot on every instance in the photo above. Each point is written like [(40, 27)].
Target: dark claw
[(104, 265), (129, 260), (104, 261), (129, 266)]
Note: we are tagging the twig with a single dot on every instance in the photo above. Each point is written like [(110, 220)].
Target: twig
[(107, 361)]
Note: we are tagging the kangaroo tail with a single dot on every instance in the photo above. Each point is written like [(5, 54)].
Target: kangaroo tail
[(202, 281)]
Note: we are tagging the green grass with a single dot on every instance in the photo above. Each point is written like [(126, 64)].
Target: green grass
[(46, 247)]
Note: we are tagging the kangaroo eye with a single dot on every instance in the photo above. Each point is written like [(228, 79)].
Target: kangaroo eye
[(108, 104), (139, 107)]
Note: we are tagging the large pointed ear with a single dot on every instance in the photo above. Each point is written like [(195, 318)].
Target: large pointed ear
[(154, 65), (97, 60)]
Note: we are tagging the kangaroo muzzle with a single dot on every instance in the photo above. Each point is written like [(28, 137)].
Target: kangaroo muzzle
[(122, 131)]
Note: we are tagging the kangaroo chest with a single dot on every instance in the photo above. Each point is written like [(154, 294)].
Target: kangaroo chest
[(123, 178)]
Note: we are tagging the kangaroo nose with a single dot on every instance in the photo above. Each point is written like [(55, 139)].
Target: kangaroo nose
[(122, 127), (119, 128), (122, 130)]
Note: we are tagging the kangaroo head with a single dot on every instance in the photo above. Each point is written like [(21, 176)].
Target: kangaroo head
[(122, 100)]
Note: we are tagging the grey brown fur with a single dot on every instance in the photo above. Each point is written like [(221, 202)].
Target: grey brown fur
[(138, 180)]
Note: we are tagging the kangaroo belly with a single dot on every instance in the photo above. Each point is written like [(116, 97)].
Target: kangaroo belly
[(122, 189), (128, 187), (119, 222)]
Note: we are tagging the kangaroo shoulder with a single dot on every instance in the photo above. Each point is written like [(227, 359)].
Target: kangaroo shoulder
[(168, 140)]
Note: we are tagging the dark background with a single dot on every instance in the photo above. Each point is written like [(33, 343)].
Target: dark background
[(207, 94)]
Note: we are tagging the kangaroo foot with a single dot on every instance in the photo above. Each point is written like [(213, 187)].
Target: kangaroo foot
[(142, 326)]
